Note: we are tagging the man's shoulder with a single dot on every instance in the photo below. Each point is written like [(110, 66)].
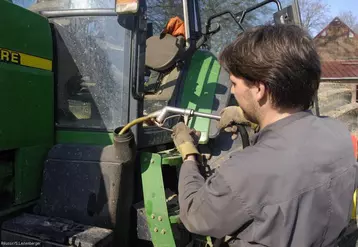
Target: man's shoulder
[(312, 129), (294, 158), (330, 121), (328, 131)]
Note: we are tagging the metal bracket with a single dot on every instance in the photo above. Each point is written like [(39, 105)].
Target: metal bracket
[(155, 201)]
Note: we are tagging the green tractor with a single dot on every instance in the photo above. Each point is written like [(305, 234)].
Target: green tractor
[(79, 165)]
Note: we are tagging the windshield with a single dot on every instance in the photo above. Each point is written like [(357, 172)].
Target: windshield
[(229, 29)]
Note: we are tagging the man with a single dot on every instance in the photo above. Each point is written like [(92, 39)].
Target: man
[(294, 185)]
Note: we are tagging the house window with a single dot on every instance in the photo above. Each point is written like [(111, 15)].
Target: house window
[(351, 34)]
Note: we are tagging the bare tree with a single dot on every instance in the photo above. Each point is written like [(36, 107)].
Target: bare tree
[(350, 19), (315, 14), (160, 11)]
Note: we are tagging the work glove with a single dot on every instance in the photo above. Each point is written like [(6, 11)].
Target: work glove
[(231, 116), (185, 139)]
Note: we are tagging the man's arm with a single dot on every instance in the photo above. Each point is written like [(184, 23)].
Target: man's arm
[(208, 207)]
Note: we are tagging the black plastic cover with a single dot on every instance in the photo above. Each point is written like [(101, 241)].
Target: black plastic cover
[(89, 185), (40, 229)]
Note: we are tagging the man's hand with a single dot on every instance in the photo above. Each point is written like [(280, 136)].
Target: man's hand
[(230, 117), (185, 139)]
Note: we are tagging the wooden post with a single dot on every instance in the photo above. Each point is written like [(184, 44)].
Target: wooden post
[(354, 93)]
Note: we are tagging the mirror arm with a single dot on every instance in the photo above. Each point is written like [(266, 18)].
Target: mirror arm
[(208, 23)]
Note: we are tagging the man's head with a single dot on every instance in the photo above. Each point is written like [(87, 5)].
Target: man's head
[(272, 68)]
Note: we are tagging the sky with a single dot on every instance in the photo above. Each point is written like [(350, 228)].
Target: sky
[(342, 5), (336, 5), (24, 3)]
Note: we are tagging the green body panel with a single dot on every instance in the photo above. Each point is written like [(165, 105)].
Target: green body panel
[(174, 219), (198, 94), (171, 157), (28, 172), (84, 137), (199, 90), (172, 160), (26, 101), (26, 94), (28, 33), (155, 201)]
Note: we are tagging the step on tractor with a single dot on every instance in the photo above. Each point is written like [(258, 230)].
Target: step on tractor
[(80, 165)]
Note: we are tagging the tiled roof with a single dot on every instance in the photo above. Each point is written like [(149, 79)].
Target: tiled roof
[(339, 69)]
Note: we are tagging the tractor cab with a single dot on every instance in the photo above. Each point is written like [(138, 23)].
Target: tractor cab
[(79, 166)]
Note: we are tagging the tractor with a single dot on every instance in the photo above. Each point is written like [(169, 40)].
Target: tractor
[(80, 165)]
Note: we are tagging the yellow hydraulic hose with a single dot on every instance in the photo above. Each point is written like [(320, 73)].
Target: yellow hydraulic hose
[(354, 209), (134, 122)]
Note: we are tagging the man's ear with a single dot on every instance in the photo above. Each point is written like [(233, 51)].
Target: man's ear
[(262, 95), (260, 91)]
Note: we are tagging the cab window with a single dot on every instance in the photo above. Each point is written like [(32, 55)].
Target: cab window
[(92, 72)]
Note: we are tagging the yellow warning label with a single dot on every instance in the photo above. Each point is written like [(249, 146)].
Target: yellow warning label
[(23, 59)]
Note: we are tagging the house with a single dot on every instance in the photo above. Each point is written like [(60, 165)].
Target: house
[(337, 45), (337, 42)]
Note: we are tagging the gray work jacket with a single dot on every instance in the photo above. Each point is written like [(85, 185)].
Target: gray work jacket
[(292, 187)]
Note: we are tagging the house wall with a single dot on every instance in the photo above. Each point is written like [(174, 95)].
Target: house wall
[(338, 100), (337, 42)]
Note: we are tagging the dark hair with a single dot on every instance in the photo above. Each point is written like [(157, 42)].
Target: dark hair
[(282, 57)]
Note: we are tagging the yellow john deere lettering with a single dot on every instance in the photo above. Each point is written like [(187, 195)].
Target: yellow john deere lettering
[(19, 58)]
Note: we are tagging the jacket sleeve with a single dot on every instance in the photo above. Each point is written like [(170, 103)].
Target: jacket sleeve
[(209, 208)]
